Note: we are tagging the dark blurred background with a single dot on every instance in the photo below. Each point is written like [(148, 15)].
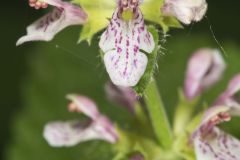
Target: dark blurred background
[(17, 63)]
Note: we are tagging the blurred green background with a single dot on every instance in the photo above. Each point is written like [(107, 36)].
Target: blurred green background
[(36, 77)]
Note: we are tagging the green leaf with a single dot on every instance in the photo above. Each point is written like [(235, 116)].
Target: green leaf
[(152, 63), (152, 12), (99, 11)]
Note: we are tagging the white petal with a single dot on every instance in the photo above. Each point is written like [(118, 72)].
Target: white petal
[(60, 134), (125, 71), (217, 146), (186, 11), (121, 43), (44, 29)]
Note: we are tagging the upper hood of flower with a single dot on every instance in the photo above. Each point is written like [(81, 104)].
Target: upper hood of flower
[(230, 96), (186, 11), (204, 69), (123, 96)]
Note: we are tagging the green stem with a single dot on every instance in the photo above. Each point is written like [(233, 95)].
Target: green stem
[(158, 116), (184, 112)]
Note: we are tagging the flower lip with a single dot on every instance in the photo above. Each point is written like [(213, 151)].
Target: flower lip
[(217, 145), (70, 133), (209, 140)]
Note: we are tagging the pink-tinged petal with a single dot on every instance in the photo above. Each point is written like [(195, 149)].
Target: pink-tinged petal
[(124, 96), (70, 133), (83, 105), (106, 129), (204, 69), (122, 43), (230, 97), (59, 134), (63, 15), (186, 11), (217, 145), (214, 116)]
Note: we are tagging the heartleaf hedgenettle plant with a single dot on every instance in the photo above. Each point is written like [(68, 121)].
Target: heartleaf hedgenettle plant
[(129, 47)]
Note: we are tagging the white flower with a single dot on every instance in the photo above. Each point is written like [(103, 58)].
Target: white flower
[(186, 11), (204, 69), (70, 133), (124, 43), (212, 143), (63, 15)]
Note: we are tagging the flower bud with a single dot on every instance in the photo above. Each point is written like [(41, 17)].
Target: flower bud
[(123, 96), (231, 96), (186, 11), (204, 69)]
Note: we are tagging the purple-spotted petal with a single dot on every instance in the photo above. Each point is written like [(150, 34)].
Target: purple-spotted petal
[(214, 116), (186, 11), (83, 105), (124, 96), (60, 134), (205, 68), (63, 15), (70, 133), (217, 145), (230, 97), (123, 43)]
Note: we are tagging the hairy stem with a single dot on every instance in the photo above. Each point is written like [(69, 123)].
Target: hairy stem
[(158, 116)]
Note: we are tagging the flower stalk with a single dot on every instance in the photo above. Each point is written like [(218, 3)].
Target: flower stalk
[(158, 116)]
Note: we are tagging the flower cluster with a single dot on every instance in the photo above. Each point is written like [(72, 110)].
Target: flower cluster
[(70, 133), (205, 68), (126, 42)]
